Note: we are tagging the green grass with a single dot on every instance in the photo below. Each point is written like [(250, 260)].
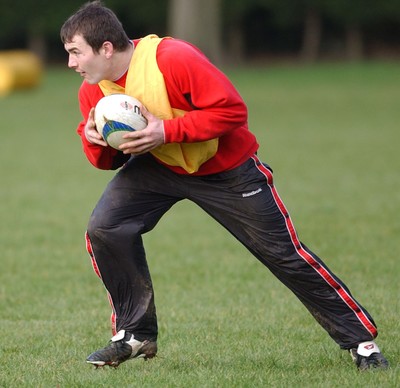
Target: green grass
[(331, 133)]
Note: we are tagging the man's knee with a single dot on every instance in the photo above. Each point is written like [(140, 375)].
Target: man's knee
[(100, 224)]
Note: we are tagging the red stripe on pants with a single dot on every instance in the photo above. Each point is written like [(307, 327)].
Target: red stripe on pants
[(89, 249)]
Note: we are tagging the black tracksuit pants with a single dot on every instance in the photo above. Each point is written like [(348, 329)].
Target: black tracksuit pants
[(243, 200)]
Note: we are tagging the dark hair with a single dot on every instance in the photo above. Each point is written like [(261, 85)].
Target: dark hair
[(96, 24)]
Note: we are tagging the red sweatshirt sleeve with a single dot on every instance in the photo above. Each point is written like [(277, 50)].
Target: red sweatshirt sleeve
[(194, 84)]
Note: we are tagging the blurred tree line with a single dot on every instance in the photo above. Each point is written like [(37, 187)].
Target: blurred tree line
[(227, 30)]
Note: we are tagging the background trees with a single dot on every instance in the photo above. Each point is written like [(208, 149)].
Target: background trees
[(313, 29), (198, 22), (234, 30)]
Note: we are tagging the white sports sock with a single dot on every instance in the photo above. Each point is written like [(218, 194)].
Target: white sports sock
[(367, 348)]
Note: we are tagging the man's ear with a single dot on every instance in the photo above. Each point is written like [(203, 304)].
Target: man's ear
[(108, 49)]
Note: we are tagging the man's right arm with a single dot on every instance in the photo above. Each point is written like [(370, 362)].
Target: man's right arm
[(99, 154)]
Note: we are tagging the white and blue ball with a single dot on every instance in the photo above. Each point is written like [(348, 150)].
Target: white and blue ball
[(116, 115)]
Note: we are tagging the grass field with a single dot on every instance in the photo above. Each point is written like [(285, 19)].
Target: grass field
[(331, 133)]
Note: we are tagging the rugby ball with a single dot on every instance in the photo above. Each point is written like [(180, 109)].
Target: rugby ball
[(118, 114)]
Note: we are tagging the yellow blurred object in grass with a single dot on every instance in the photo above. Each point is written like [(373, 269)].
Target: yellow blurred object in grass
[(19, 69)]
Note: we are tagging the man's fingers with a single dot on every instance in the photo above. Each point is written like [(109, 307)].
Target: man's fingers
[(146, 113), (91, 114)]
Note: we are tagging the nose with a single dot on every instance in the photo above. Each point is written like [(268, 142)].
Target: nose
[(72, 62)]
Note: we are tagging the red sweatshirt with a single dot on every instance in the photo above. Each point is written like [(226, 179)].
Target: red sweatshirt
[(215, 110)]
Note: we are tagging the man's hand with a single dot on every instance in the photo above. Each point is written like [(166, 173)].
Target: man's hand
[(91, 133), (147, 139)]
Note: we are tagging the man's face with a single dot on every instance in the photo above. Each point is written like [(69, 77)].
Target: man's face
[(90, 65)]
